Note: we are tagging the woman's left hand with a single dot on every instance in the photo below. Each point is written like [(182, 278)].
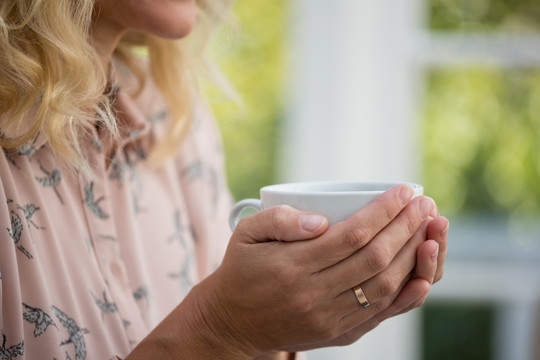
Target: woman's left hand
[(432, 243)]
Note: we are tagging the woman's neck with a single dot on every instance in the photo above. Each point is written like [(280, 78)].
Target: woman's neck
[(106, 34)]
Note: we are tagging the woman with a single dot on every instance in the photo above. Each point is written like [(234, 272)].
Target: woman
[(115, 207)]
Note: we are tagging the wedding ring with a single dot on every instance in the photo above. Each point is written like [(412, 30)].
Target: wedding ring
[(360, 296)]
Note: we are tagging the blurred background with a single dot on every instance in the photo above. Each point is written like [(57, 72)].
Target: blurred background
[(441, 92)]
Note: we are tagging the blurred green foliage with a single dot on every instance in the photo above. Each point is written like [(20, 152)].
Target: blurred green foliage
[(482, 127), (252, 59), (520, 16), (482, 124)]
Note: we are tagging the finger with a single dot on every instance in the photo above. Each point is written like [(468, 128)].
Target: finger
[(411, 296), (345, 238), (435, 212), (350, 319), (388, 288), (413, 305), (426, 260), (437, 230), (282, 223), (362, 321), (388, 283), (379, 253), (414, 295), (411, 293)]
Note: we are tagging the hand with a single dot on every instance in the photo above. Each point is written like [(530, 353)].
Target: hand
[(292, 293), (429, 269)]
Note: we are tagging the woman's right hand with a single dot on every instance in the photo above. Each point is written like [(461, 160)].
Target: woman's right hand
[(285, 282)]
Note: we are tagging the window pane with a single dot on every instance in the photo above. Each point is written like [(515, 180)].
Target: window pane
[(519, 16), (482, 131), (457, 331)]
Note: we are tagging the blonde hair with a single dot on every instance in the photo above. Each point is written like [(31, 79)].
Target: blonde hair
[(53, 83)]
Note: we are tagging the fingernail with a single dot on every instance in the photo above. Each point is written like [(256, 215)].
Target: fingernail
[(445, 231), (426, 206), (406, 194), (312, 223), (435, 255)]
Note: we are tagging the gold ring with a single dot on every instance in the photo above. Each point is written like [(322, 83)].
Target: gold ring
[(360, 296)]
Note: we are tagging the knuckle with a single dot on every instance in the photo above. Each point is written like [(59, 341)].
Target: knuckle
[(412, 218), (378, 259), (306, 300), (357, 237), (279, 216), (412, 223), (306, 307), (303, 303), (388, 285), (382, 304), (390, 212)]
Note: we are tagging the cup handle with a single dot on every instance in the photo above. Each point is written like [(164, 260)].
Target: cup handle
[(234, 217)]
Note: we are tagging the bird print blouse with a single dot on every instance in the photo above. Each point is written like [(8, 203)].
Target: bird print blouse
[(89, 265)]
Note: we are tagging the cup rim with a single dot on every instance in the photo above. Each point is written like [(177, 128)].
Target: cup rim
[(319, 187)]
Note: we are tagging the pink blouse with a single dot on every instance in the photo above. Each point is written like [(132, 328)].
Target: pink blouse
[(88, 266)]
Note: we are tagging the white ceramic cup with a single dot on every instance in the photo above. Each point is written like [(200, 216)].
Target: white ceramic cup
[(336, 200)]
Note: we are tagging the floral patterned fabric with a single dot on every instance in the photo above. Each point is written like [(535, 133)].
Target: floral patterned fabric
[(88, 266)]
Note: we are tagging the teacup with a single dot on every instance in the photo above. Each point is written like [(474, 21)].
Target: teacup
[(336, 200)]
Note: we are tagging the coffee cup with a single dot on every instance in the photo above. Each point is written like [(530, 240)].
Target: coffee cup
[(336, 200)]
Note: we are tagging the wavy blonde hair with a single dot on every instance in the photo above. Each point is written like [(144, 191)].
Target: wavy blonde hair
[(53, 83)]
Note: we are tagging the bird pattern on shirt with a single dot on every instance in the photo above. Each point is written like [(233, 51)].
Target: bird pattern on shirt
[(11, 352), (29, 210), (75, 333), (39, 318), (199, 171), (28, 149), (182, 276), (15, 232), (23, 219), (29, 221), (92, 203), (179, 233), (51, 180), (105, 305)]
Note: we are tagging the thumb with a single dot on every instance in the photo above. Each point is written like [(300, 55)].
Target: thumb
[(281, 223)]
